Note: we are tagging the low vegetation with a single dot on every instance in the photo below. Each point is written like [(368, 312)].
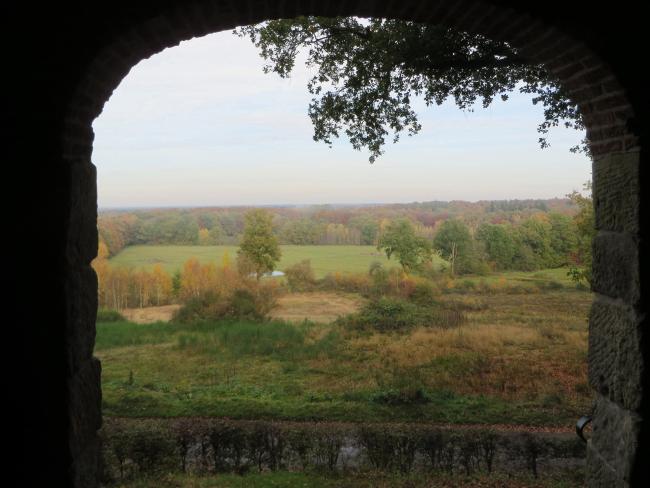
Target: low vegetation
[(329, 452), (518, 357)]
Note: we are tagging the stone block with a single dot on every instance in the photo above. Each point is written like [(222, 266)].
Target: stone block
[(616, 362), (87, 465), (616, 192), (85, 419), (600, 474), (81, 313), (616, 266), (85, 414), (615, 439), (82, 214)]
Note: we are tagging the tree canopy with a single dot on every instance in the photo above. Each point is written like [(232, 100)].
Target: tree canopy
[(455, 244), (399, 239), (369, 70), (258, 245)]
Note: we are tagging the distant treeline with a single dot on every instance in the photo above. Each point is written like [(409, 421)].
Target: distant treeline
[(311, 225), (471, 238)]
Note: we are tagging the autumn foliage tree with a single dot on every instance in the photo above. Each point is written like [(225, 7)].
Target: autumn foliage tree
[(121, 287)]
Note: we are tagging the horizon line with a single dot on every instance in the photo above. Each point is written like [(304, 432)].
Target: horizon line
[(346, 204)]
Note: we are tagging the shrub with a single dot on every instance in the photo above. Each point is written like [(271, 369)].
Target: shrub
[(266, 297), (389, 449), (242, 305), (387, 314), (399, 385), (530, 447), (349, 282), (197, 309), (394, 314), (423, 294), (108, 315), (254, 301), (404, 396), (327, 449), (300, 276), (142, 449)]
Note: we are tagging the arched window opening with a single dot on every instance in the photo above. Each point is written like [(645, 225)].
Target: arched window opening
[(267, 303)]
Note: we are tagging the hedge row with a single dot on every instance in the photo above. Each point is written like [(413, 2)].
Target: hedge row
[(136, 447)]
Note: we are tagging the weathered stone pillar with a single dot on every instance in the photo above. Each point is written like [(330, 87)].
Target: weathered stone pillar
[(80, 287), (617, 339)]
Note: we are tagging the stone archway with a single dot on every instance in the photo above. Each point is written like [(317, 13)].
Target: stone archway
[(120, 36)]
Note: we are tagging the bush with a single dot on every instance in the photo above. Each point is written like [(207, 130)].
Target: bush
[(242, 305), (423, 294), (108, 315), (300, 276), (389, 449), (253, 302), (387, 314), (399, 385), (349, 282), (394, 314), (142, 449), (415, 396), (204, 307)]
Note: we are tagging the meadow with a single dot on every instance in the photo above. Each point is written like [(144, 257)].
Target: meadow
[(324, 259), (520, 358)]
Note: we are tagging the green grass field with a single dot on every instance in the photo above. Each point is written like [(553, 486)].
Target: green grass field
[(525, 278), (324, 259)]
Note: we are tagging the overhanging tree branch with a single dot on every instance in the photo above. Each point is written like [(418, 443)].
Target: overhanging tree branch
[(369, 70)]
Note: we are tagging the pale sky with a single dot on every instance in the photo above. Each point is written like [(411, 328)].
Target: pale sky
[(201, 125)]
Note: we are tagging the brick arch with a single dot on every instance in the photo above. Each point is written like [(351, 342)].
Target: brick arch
[(618, 347)]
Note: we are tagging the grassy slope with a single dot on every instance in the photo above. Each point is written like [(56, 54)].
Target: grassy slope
[(324, 259), (520, 359)]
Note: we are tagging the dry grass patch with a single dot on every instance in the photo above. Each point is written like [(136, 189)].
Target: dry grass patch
[(149, 315), (320, 307), (513, 347)]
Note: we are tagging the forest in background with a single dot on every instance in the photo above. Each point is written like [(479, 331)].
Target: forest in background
[(503, 235)]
